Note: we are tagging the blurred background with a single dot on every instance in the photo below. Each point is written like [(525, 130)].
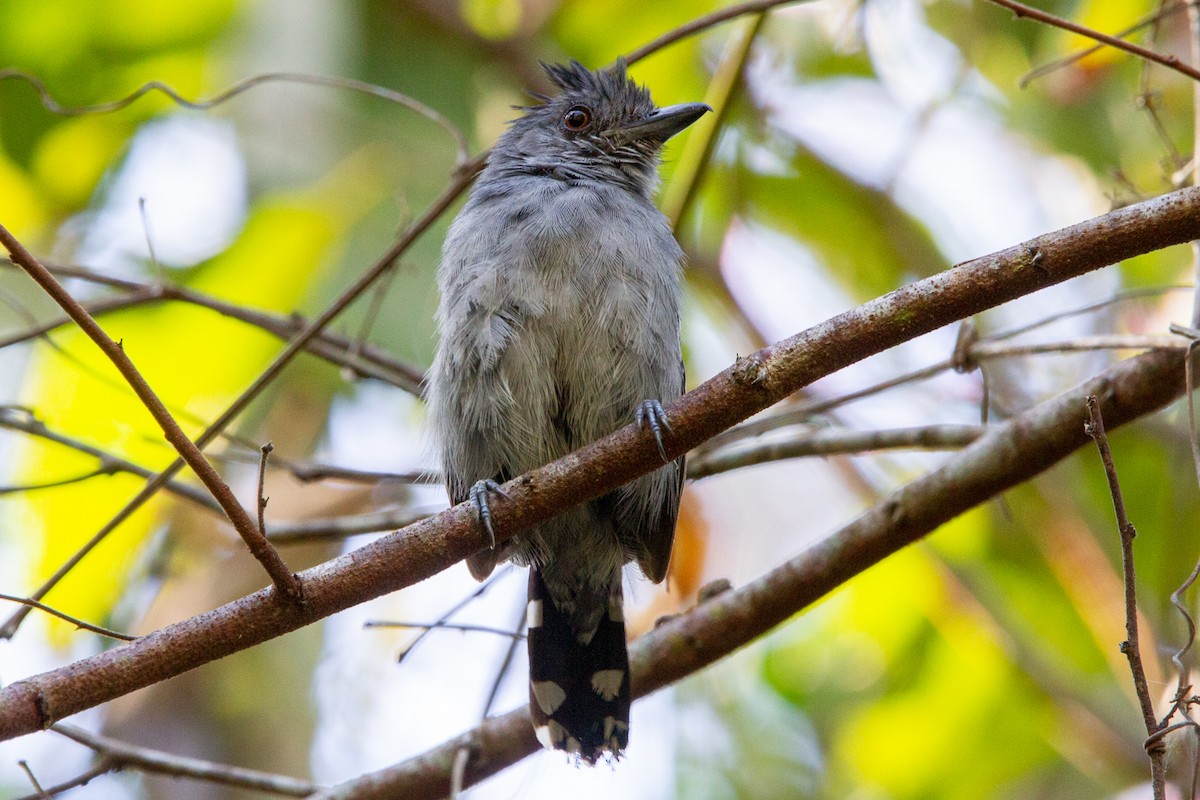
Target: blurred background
[(857, 146)]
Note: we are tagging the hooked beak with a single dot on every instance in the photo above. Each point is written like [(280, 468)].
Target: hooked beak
[(659, 126)]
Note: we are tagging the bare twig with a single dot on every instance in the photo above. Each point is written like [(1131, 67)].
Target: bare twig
[(725, 85), (360, 359), (463, 177), (101, 767), (461, 604), (1170, 62), (287, 583), (315, 530), (1116, 341), (506, 662), (1057, 64), (23, 421), (122, 754), (53, 106), (750, 385), (78, 623), (262, 479), (37, 787), (831, 442), (704, 23), (1130, 647), (445, 626)]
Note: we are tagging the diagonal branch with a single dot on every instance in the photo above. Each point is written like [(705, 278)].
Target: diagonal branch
[(749, 386), (1170, 62), (283, 578), (462, 180), (362, 360)]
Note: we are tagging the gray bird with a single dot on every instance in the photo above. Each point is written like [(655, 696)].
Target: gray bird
[(559, 324)]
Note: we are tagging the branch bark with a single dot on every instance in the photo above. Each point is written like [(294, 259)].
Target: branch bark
[(750, 385)]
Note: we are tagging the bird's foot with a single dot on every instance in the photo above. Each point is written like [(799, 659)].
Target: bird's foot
[(479, 498), (650, 415)]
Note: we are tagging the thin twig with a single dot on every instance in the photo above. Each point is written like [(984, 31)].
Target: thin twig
[(459, 606), (360, 359), (1067, 60), (21, 420), (1124, 295), (506, 662), (1130, 647), (701, 24), (101, 767), (286, 582), (725, 85), (53, 106), (262, 479), (831, 442), (1170, 62), (57, 483), (151, 760), (1114, 341), (37, 787), (340, 527), (445, 626), (78, 623)]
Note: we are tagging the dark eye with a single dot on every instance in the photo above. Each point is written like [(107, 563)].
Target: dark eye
[(577, 118)]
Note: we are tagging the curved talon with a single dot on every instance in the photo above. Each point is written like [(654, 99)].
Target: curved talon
[(650, 415), (479, 498)]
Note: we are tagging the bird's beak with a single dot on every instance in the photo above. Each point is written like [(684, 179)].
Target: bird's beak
[(659, 126)]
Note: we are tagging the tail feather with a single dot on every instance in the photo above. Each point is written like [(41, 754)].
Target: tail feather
[(578, 690)]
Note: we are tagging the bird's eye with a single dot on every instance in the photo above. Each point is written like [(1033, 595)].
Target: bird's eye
[(577, 119)]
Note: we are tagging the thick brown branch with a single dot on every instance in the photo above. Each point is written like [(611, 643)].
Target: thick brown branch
[(750, 385)]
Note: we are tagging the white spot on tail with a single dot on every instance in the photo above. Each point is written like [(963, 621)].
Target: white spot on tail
[(542, 732), (607, 682), (549, 695), (533, 614)]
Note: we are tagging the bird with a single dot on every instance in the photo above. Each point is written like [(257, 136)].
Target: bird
[(559, 323)]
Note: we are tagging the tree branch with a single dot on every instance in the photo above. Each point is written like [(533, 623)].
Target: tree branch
[(749, 386), (1005, 456), (283, 578)]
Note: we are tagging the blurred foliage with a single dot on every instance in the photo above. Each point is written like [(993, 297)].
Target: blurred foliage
[(982, 663)]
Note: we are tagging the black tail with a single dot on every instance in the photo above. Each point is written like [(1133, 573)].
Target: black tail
[(578, 691)]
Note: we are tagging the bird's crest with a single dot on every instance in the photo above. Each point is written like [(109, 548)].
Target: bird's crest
[(613, 84)]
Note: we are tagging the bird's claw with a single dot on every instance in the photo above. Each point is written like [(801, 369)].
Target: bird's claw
[(650, 414), (479, 498)]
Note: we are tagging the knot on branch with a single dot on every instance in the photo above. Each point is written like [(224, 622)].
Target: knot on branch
[(749, 371)]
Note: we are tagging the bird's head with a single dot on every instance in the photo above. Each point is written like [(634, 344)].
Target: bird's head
[(601, 126)]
